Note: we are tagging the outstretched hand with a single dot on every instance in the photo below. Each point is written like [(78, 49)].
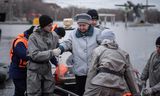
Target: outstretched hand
[(56, 52)]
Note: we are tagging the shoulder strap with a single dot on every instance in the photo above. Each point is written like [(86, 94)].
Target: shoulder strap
[(25, 42), (107, 70)]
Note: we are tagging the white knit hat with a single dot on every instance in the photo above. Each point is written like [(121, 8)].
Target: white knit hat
[(107, 36)]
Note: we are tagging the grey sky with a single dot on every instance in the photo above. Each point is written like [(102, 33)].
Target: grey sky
[(100, 3)]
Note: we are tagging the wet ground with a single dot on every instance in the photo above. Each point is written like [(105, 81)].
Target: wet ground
[(6, 88)]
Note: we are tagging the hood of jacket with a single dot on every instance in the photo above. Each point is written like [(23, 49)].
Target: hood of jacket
[(111, 44)]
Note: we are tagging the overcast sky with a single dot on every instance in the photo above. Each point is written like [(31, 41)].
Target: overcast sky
[(100, 3)]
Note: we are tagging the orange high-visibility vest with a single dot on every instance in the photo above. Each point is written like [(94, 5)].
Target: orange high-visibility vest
[(19, 38)]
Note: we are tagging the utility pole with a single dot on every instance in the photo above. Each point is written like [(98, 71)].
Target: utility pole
[(73, 10), (146, 13), (126, 15)]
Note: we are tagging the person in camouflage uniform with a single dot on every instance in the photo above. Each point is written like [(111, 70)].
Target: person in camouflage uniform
[(41, 47), (152, 72), (110, 70)]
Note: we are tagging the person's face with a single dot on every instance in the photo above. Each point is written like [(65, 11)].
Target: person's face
[(83, 27), (158, 49), (48, 28), (94, 22)]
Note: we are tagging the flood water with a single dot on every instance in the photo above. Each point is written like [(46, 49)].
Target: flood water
[(139, 42)]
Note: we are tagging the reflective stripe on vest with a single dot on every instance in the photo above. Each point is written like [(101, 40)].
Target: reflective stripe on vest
[(20, 38)]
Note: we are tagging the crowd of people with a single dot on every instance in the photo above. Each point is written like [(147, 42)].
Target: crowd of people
[(100, 66)]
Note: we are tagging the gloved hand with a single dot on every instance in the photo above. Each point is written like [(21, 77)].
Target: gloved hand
[(147, 91), (56, 52)]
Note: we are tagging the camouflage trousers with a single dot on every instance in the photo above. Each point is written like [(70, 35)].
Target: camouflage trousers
[(40, 85)]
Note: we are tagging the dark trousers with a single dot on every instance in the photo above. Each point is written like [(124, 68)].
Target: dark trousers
[(20, 87), (80, 84)]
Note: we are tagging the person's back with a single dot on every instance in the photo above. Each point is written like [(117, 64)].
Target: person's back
[(106, 76)]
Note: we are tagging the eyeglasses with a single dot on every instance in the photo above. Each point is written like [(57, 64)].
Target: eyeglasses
[(158, 46)]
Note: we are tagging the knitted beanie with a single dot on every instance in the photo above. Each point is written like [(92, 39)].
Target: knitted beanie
[(107, 34), (108, 37), (93, 13), (44, 20)]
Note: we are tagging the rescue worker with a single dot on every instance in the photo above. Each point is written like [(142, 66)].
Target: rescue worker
[(81, 42), (18, 54), (95, 19), (151, 72), (41, 43), (110, 70)]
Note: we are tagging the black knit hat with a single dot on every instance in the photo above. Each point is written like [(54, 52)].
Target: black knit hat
[(60, 31), (158, 41), (93, 13), (44, 20)]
